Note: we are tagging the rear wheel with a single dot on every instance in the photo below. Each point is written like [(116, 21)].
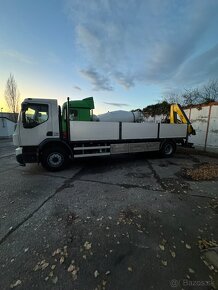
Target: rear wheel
[(168, 148), (55, 159)]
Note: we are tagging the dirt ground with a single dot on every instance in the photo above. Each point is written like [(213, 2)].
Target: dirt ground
[(127, 222)]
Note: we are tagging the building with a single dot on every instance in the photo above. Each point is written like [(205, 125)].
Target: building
[(7, 124), (11, 116)]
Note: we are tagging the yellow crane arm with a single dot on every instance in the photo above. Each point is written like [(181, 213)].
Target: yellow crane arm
[(176, 110)]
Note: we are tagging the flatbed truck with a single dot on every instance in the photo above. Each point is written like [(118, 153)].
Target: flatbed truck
[(51, 135)]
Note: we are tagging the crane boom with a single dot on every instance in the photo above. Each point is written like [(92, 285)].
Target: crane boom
[(177, 110)]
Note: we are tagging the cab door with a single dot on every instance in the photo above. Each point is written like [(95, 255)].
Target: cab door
[(36, 123)]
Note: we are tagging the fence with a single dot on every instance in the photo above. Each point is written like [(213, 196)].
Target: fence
[(204, 119)]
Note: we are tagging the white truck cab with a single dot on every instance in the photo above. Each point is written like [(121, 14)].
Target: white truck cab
[(38, 121)]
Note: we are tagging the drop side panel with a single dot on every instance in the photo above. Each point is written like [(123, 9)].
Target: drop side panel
[(173, 130), (92, 131), (139, 131)]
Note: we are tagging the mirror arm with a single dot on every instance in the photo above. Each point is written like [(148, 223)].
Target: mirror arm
[(23, 117)]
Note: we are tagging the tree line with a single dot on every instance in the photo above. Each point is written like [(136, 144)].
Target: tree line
[(200, 95)]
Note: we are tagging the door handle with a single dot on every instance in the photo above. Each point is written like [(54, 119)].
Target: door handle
[(49, 133)]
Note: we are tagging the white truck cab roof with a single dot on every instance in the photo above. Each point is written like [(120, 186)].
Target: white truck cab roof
[(42, 101)]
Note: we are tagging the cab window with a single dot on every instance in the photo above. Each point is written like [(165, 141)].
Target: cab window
[(34, 115), (73, 115)]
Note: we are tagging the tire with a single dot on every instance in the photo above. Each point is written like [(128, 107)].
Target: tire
[(168, 148), (54, 159)]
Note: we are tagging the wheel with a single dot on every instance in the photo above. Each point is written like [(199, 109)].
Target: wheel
[(168, 148), (54, 159)]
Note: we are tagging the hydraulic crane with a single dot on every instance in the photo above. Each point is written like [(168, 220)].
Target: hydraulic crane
[(175, 111)]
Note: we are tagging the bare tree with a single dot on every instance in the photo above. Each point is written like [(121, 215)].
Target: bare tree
[(12, 95), (210, 91), (201, 95), (192, 97), (173, 97)]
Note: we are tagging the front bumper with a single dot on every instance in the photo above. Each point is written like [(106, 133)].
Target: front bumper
[(26, 154), (19, 156)]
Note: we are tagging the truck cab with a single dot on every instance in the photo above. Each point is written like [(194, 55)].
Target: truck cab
[(38, 121), (42, 135)]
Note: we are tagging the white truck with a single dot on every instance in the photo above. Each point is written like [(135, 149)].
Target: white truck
[(52, 136)]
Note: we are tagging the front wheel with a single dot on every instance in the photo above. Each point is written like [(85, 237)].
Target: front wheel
[(54, 159), (168, 148)]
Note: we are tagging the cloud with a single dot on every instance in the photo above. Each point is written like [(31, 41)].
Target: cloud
[(98, 81), (148, 42), (17, 56), (127, 81), (117, 104), (203, 66), (77, 88)]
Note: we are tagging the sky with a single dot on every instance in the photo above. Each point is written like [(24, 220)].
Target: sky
[(126, 54)]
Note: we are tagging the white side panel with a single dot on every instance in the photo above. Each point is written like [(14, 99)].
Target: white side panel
[(88, 131), (214, 112), (199, 119), (212, 139), (139, 130), (173, 130)]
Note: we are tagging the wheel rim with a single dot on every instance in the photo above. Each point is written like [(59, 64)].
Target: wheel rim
[(55, 159), (168, 149)]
